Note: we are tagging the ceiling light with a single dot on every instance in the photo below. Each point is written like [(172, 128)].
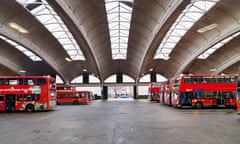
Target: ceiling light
[(22, 71), (84, 70), (17, 27), (166, 58), (68, 59), (213, 69), (207, 28), (151, 69)]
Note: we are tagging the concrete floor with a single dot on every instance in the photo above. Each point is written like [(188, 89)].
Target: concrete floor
[(133, 122)]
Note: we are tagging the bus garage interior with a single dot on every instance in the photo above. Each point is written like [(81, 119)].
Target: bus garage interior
[(119, 71)]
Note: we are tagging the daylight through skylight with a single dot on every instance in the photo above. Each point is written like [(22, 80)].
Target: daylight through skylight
[(192, 13), (211, 50), (28, 53), (119, 13), (49, 18)]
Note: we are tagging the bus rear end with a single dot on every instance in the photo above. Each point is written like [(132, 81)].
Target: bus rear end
[(154, 91), (66, 95), (83, 97)]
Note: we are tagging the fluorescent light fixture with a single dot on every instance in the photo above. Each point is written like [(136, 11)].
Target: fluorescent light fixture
[(207, 28), (84, 70), (213, 69), (17, 27), (166, 58), (68, 59), (22, 71)]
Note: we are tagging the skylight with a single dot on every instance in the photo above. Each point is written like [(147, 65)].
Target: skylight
[(49, 18), (211, 50), (191, 14), (119, 13), (25, 51)]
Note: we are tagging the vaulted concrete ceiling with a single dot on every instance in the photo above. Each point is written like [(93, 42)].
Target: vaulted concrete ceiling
[(151, 20)]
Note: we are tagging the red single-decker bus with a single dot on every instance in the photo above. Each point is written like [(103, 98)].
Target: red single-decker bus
[(69, 94)]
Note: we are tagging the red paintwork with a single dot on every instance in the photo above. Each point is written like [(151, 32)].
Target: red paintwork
[(206, 87), (68, 94), (44, 102), (154, 91)]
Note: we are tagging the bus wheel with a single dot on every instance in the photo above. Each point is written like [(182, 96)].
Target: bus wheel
[(198, 105), (30, 108), (75, 102)]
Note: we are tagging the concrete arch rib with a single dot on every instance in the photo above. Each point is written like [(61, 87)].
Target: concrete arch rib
[(233, 29), (227, 63), (66, 6), (11, 65), (168, 13), (36, 49)]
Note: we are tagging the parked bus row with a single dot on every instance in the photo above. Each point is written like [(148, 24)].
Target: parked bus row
[(69, 94), (37, 93), (199, 90)]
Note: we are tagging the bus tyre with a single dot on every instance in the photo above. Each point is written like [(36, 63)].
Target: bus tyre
[(30, 108), (75, 102), (198, 105)]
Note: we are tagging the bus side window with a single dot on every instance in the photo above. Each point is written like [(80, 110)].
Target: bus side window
[(2, 81), (40, 81), (20, 97), (1, 97), (29, 97), (30, 81), (233, 79), (37, 97), (20, 81), (200, 79), (12, 81)]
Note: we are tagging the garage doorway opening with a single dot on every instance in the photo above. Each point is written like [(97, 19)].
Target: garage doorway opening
[(120, 93)]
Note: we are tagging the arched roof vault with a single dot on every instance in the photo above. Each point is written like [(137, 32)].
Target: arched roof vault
[(87, 21)]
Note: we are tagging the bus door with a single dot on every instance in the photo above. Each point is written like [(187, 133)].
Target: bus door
[(220, 99), (10, 102), (186, 98), (2, 102)]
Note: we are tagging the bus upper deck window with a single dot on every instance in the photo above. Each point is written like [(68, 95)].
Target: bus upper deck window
[(2, 81), (12, 82), (1, 97), (30, 81), (40, 81)]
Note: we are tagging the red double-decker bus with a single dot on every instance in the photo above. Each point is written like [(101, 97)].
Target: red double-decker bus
[(238, 94), (69, 94), (27, 93), (154, 91), (162, 91), (204, 90), (167, 94)]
